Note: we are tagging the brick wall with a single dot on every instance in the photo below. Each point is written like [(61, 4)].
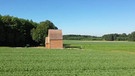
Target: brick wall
[(47, 45), (58, 44)]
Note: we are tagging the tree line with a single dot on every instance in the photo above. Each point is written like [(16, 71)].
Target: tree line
[(16, 31), (119, 37), (115, 37), (80, 37), (106, 37)]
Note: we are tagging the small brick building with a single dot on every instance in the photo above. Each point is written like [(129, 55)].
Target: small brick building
[(54, 39)]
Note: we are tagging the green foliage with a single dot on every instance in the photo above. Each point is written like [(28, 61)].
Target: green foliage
[(81, 37), (97, 59), (15, 31), (115, 37), (21, 32), (132, 36), (107, 37), (39, 33)]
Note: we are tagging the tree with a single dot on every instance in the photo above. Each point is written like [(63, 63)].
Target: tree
[(2, 31), (21, 32), (122, 37), (41, 31), (109, 37), (132, 36), (115, 37), (15, 31)]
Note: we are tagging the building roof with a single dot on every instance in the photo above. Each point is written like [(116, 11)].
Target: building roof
[(55, 34)]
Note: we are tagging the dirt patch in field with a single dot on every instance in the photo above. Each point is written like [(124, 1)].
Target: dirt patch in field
[(103, 41), (131, 53)]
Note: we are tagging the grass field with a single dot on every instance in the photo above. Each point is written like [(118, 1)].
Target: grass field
[(91, 59)]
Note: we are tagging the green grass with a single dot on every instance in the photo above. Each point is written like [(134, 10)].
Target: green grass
[(93, 59)]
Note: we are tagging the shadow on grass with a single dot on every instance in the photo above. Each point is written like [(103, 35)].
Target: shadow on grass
[(69, 46)]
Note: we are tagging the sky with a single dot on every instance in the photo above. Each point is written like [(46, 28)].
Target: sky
[(82, 17)]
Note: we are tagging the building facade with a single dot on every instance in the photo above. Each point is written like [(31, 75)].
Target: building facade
[(54, 39)]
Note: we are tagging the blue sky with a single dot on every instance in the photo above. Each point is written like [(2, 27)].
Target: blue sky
[(85, 17)]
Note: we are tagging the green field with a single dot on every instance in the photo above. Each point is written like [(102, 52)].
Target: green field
[(80, 58)]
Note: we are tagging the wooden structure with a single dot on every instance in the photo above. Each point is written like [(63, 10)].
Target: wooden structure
[(54, 39)]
